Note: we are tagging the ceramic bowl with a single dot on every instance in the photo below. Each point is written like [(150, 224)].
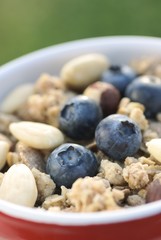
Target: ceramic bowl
[(17, 222)]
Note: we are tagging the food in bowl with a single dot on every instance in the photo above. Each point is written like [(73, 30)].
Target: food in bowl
[(87, 140)]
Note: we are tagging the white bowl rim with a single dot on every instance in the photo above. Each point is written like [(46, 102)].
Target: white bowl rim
[(79, 219), (74, 44)]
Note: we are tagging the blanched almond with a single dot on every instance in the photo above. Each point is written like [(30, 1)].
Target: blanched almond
[(82, 71), (37, 135), (18, 186), (154, 148), (4, 149), (16, 98)]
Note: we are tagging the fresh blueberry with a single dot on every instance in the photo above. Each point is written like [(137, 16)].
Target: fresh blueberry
[(69, 162), (119, 76), (118, 136), (80, 117), (146, 90)]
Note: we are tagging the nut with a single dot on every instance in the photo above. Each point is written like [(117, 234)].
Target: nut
[(6, 139), (1, 177), (95, 90), (153, 191), (4, 149), (82, 71), (154, 148), (17, 98), (13, 158), (18, 186), (37, 135), (104, 94)]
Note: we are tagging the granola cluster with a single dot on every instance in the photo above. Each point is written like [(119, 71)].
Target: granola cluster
[(45, 103)]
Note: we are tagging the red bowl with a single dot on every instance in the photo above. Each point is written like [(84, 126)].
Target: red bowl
[(141, 222), (17, 222)]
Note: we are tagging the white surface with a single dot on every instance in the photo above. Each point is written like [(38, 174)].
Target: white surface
[(28, 68)]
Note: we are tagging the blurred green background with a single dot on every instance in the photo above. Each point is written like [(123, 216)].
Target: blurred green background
[(27, 25)]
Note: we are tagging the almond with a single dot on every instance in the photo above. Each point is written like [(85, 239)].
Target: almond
[(81, 71), (37, 135)]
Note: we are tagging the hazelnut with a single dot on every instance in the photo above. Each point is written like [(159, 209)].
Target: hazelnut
[(105, 94)]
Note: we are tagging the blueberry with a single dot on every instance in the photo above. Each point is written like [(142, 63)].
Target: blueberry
[(80, 117), (118, 136), (119, 76), (69, 162), (146, 90)]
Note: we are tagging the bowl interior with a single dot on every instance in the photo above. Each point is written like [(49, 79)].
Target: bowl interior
[(120, 50)]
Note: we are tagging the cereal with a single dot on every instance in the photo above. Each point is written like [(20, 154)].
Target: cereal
[(149, 134), (155, 127), (47, 83), (138, 116), (16, 98), (44, 183), (32, 158), (148, 65), (136, 176), (37, 135), (18, 186), (53, 201), (142, 193), (5, 120), (146, 160), (130, 160), (135, 200), (112, 172), (30, 130), (45, 108), (125, 106), (118, 195), (56, 201), (135, 111), (45, 103), (90, 194)]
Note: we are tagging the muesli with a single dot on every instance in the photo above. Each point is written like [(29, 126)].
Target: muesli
[(85, 141)]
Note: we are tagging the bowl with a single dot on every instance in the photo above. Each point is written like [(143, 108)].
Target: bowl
[(17, 222)]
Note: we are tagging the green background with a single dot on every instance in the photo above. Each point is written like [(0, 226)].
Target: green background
[(27, 25)]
